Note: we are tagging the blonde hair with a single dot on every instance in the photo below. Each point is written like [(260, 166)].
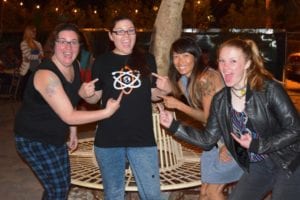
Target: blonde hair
[(27, 36)]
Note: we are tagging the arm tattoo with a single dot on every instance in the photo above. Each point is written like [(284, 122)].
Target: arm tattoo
[(207, 86), (51, 87)]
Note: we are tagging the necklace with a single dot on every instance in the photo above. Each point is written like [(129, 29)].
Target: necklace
[(242, 90), (241, 95)]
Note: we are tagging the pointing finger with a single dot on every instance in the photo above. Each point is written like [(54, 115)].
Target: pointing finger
[(162, 97), (156, 75), (120, 97), (94, 81), (160, 107)]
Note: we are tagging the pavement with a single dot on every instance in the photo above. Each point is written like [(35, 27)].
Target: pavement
[(17, 182)]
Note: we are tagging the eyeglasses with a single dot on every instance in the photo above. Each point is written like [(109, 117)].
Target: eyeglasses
[(64, 43), (122, 32)]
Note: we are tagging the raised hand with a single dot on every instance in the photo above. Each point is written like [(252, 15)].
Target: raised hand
[(244, 139), (163, 83), (87, 89), (113, 105), (166, 117)]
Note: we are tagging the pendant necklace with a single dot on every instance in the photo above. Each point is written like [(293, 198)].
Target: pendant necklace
[(239, 93)]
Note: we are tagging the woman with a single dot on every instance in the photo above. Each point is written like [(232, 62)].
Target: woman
[(128, 135), (32, 51), (258, 121), (48, 115), (32, 54), (198, 83)]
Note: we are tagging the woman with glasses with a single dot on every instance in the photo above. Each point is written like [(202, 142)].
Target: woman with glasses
[(128, 136), (48, 114)]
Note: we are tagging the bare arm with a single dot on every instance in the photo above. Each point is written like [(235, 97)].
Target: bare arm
[(50, 87), (73, 141), (210, 83), (173, 103)]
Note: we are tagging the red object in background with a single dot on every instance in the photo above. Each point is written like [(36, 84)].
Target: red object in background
[(85, 75)]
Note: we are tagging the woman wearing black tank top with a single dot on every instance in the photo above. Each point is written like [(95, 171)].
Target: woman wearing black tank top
[(48, 114)]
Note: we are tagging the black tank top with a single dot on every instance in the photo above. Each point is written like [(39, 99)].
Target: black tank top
[(36, 120)]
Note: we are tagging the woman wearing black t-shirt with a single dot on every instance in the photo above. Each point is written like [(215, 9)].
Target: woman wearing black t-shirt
[(128, 135)]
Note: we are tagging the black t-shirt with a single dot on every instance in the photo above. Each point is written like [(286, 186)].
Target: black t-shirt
[(131, 125), (36, 120)]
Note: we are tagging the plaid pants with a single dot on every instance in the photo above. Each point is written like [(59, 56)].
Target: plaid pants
[(50, 164)]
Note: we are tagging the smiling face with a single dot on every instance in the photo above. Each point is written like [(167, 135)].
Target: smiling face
[(233, 66), (184, 63), (66, 47), (123, 37)]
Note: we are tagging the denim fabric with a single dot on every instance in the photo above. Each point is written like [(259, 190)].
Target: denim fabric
[(50, 164), (144, 165), (264, 177)]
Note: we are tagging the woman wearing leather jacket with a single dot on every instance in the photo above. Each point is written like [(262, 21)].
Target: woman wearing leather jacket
[(258, 121)]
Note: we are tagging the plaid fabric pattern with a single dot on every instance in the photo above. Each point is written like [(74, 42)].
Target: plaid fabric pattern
[(240, 126), (51, 165)]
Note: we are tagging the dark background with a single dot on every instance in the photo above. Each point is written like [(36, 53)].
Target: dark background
[(272, 45)]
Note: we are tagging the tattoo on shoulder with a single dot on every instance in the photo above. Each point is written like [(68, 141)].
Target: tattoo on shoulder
[(51, 87), (207, 85)]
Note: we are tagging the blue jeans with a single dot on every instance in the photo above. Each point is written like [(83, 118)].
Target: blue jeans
[(264, 177), (144, 165)]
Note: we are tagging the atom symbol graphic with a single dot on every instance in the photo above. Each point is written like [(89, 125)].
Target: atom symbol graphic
[(126, 79)]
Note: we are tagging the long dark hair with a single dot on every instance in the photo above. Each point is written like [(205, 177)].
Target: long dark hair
[(187, 45), (137, 59)]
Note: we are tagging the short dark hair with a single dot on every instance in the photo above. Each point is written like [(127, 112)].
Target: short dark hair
[(63, 27), (117, 19)]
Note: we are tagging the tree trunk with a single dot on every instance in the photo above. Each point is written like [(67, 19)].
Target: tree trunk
[(167, 28)]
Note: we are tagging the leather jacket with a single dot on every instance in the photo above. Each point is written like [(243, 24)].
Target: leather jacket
[(273, 116)]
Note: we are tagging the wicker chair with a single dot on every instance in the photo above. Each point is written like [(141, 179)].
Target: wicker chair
[(179, 166)]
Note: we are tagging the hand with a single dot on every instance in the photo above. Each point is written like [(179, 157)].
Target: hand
[(87, 90), (224, 155), (171, 102), (113, 105), (163, 83), (244, 140), (73, 142), (166, 117)]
